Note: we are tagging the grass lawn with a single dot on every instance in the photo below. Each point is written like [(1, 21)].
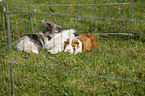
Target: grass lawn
[(112, 68)]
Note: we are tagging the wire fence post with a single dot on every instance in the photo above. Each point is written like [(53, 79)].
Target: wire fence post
[(110, 69), (7, 26)]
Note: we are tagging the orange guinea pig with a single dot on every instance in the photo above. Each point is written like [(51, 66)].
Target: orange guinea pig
[(88, 41)]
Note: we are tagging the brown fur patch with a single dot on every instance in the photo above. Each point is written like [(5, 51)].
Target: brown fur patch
[(94, 40), (66, 43), (88, 40), (75, 43)]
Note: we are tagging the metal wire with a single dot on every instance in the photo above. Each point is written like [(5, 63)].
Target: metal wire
[(102, 76), (14, 75), (86, 17)]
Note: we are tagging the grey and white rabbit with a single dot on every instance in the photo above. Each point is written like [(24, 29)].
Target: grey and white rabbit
[(36, 41)]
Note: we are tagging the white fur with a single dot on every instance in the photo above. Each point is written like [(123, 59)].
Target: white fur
[(70, 49), (56, 44), (27, 45)]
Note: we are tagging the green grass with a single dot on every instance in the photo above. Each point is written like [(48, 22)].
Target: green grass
[(81, 74)]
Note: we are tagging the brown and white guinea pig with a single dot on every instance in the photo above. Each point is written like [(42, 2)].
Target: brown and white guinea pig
[(81, 43), (36, 41), (73, 45)]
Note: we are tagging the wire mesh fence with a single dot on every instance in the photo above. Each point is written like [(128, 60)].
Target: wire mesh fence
[(114, 67)]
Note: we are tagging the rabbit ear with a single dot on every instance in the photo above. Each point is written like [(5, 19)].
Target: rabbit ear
[(58, 28), (47, 25)]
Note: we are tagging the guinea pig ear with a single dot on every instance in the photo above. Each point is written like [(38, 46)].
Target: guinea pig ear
[(76, 42), (65, 42)]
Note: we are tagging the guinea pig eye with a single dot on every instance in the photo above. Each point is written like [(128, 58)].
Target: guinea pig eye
[(73, 45), (76, 42)]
